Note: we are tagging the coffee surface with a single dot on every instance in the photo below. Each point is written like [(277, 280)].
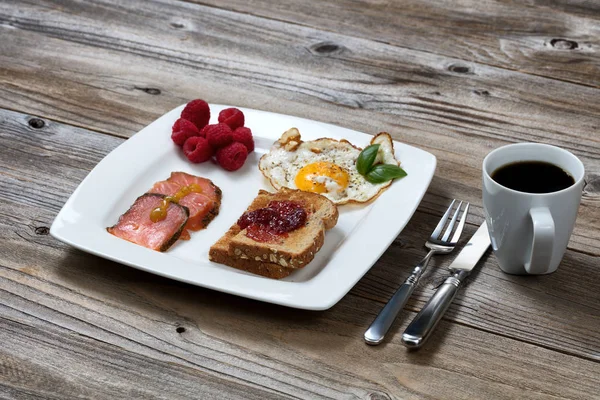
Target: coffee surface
[(533, 177)]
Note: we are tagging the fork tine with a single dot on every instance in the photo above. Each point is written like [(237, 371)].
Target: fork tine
[(448, 230), (440, 225), (461, 225)]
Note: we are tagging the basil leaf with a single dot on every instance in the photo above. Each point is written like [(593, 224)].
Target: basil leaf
[(366, 158), (384, 172)]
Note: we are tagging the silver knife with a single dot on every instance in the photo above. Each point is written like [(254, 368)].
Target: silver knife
[(423, 324)]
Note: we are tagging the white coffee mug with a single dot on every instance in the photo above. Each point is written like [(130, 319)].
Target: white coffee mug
[(530, 231)]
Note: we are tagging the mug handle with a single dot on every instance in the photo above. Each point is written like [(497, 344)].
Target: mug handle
[(543, 241)]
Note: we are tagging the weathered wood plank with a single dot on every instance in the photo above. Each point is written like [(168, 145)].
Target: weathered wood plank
[(109, 80), (363, 74), (565, 319), (558, 39), (110, 330), (71, 365)]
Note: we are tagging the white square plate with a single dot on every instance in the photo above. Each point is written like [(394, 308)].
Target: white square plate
[(362, 234)]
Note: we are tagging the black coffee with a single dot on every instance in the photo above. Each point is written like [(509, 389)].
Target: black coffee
[(533, 177)]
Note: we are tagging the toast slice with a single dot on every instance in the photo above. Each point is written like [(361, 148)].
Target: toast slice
[(219, 253), (300, 246)]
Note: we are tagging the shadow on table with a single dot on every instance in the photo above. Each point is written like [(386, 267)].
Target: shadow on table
[(153, 295), (196, 310), (574, 288)]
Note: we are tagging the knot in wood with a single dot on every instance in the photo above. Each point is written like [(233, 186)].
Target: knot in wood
[(42, 230), (564, 44), (378, 396), (459, 69), (180, 329), (400, 243), (177, 25), (36, 123), (479, 92), (325, 48), (152, 91), (591, 186)]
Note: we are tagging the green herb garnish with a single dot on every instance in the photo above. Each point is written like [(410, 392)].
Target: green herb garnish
[(384, 172), (376, 173), (366, 158)]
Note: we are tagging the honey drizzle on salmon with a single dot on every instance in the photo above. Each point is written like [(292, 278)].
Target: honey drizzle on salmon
[(203, 206), (160, 213)]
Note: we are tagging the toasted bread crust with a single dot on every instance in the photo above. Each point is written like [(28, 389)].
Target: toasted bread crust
[(219, 253), (268, 270)]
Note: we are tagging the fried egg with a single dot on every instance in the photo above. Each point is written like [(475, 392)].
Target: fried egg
[(325, 166)]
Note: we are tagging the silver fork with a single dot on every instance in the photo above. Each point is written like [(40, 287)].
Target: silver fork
[(436, 245)]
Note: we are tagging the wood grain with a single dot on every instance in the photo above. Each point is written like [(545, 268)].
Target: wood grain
[(527, 309), (557, 39), (454, 78), (428, 90), (115, 334), (71, 365), (118, 80)]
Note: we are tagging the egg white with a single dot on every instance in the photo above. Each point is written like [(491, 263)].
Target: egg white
[(283, 162)]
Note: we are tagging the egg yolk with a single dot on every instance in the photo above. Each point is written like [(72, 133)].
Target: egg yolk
[(314, 177)]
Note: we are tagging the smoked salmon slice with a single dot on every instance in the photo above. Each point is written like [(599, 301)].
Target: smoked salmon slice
[(137, 227), (208, 188), (203, 206)]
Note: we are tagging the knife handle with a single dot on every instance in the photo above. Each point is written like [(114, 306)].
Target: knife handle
[(423, 324)]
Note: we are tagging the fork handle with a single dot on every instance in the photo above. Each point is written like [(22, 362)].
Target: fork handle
[(382, 323)]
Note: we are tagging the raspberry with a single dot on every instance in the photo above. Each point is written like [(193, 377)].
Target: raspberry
[(218, 135), (203, 130), (232, 156), (243, 135), (183, 130), (197, 149), (197, 112), (232, 117)]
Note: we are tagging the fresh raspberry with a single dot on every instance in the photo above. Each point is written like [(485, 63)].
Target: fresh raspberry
[(197, 112), (243, 135), (232, 117), (183, 130), (218, 135), (232, 156), (197, 149), (203, 130)]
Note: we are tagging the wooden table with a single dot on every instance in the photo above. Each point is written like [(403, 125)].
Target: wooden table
[(457, 79)]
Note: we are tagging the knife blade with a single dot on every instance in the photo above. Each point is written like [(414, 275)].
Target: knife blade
[(419, 330)]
